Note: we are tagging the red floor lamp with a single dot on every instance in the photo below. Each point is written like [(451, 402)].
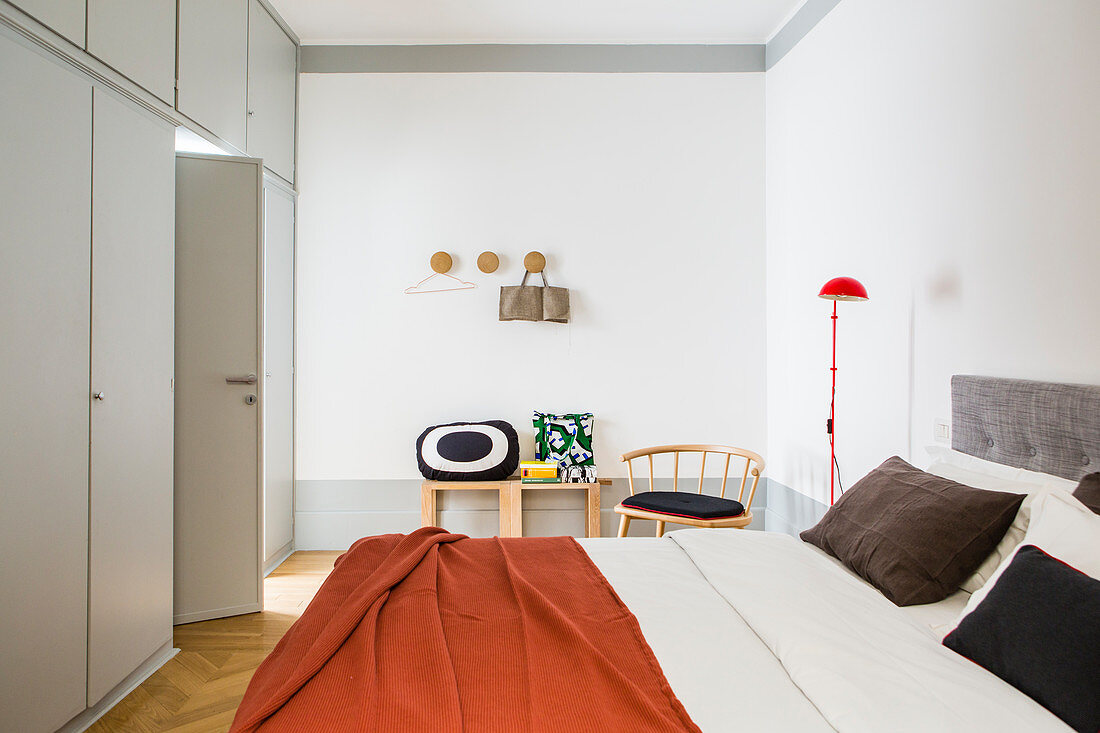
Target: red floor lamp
[(839, 288)]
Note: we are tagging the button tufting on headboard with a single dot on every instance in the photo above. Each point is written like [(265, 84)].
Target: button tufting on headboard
[(1043, 426)]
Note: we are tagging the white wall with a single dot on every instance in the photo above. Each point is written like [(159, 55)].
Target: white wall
[(646, 192), (946, 153)]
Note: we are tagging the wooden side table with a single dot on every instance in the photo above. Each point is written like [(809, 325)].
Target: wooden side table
[(511, 502)]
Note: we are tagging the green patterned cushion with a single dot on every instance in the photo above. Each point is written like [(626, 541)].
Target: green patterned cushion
[(564, 439)]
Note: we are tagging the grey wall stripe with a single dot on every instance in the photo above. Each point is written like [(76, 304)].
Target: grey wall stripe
[(804, 21), (790, 511), (403, 495), (331, 514), (567, 58)]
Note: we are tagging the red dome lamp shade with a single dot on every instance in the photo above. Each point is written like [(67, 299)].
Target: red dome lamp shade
[(843, 288), (839, 288)]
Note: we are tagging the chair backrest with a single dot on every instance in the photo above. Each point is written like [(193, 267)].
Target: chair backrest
[(754, 466)]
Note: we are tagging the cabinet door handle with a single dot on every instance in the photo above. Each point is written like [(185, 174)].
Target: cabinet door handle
[(98, 396), (247, 379)]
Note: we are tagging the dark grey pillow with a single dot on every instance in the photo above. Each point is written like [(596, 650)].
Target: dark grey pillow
[(1088, 492), (914, 536), (1037, 631)]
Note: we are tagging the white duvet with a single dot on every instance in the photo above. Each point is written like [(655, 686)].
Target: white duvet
[(758, 632)]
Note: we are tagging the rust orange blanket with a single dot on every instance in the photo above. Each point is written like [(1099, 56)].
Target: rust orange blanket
[(439, 632)]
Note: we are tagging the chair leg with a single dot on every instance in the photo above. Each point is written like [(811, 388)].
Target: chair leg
[(660, 528), (624, 525)]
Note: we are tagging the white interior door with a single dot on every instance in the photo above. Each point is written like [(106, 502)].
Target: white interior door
[(130, 562), (279, 365), (45, 280), (219, 387)]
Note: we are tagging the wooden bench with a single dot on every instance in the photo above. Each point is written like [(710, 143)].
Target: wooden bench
[(511, 501)]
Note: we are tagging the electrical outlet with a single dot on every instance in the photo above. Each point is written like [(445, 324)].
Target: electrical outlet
[(942, 431)]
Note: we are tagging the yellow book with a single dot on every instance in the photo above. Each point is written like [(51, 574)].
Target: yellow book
[(538, 469)]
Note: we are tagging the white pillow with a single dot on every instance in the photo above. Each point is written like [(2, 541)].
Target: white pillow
[(983, 474), (944, 456), (1062, 527)]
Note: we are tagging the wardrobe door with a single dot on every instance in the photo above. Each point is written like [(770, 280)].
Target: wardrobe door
[(45, 199), (137, 38), (213, 66), (272, 83), (130, 566), (279, 366), (65, 17)]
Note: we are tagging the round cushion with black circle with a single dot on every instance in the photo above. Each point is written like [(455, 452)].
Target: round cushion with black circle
[(468, 451), (684, 504)]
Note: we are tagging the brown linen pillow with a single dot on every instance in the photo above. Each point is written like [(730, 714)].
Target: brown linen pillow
[(1088, 491), (914, 536)]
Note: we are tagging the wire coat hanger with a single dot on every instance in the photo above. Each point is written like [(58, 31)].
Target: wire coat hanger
[(441, 262), (418, 289)]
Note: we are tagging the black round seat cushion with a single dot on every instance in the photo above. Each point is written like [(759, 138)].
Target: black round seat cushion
[(684, 504), (468, 451)]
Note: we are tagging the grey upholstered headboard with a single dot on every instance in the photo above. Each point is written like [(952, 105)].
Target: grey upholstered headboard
[(1041, 426)]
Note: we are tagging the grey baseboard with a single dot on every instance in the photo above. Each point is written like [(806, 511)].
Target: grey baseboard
[(790, 511), (277, 557), (190, 618), (87, 718)]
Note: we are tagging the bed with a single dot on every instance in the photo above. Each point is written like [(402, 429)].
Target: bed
[(801, 643), (757, 631)]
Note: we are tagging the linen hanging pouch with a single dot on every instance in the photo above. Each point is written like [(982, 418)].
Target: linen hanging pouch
[(525, 302)]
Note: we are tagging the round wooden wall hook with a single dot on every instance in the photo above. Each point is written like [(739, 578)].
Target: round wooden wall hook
[(534, 261), (488, 262), (441, 262)]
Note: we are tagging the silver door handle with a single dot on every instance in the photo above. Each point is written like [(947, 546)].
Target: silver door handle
[(98, 396), (248, 379)]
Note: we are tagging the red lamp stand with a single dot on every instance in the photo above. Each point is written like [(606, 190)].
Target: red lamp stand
[(839, 288)]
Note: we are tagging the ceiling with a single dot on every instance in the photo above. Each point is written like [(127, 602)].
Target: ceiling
[(525, 21)]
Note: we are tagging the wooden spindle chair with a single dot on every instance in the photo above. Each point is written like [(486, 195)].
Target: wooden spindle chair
[(683, 507)]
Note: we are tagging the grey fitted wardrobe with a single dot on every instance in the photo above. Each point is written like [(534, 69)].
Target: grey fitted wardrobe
[(86, 363)]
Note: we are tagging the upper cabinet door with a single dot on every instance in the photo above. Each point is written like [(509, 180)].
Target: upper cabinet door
[(213, 66), (61, 16), (137, 38), (272, 82)]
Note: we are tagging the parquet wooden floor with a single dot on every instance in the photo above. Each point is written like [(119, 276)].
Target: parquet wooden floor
[(199, 689)]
